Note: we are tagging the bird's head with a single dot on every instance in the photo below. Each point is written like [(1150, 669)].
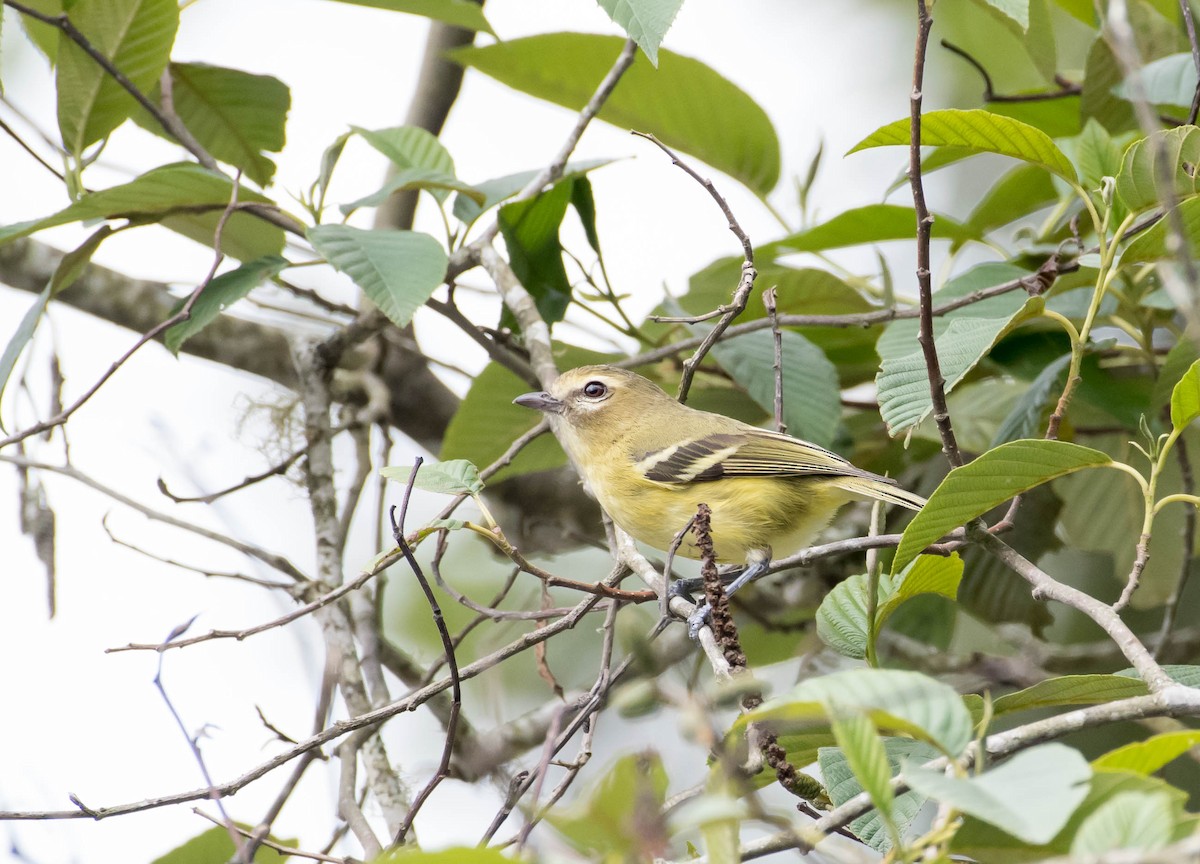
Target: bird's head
[(591, 396)]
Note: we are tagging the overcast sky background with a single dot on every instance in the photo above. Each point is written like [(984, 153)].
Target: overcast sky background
[(79, 721)]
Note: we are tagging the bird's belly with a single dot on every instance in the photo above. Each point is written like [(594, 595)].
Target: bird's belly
[(748, 514)]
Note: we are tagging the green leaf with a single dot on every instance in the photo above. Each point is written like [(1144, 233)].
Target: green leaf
[(459, 13), (874, 223), (1070, 690), (1140, 183), (1188, 676), (928, 574), (1026, 416), (684, 102), (863, 748), (1131, 820), (215, 847), (843, 785), (500, 189), (1151, 244), (812, 403), (985, 843), (1147, 757), (1169, 80), (842, 615), (44, 36), (981, 132), (897, 700), (434, 182), (1031, 796), (20, 338), (1016, 10), (236, 116), (398, 270), (645, 21), (1185, 398), (136, 35), (973, 489), (453, 477), (1021, 191), (410, 147), (903, 381), (219, 294), (161, 191), (530, 229)]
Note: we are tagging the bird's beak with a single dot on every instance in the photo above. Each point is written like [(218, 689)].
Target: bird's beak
[(540, 401)]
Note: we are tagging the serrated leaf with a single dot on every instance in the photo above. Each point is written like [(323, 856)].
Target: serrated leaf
[(842, 615), (1169, 80), (874, 223), (136, 35), (684, 102), (979, 131), (434, 182), (160, 192), (812, 403), (860, 743), (903, 382), (219, 294), (972, 489), (1140, 182), (453, 477), (842, 785), (1030, 796), (645, 21), (1185, 398), (236, 116), (1131, 820), (897, 700), (458, 13), (1025, 417), (398, 270), (1070, 690)]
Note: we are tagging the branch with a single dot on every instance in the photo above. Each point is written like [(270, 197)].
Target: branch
[(937, 384)]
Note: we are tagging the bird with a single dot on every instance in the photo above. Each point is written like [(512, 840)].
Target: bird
[(650, 460)]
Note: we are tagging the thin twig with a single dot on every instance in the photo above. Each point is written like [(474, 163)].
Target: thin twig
[(1190, 26), (1188, 483), (741, 294), (443, 769), (777, 338), (1065, 88), (937, 391)]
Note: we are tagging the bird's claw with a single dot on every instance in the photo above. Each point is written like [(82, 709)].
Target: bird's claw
[(697, 620)]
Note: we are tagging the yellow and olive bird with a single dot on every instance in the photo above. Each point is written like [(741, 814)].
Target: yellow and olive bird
[(650, 460)]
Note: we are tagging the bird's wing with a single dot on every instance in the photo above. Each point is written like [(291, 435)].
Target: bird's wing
[(749, 453)]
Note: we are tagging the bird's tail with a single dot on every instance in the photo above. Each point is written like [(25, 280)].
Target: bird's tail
[(881, 489)]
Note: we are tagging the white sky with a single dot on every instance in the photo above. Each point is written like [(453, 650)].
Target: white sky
[(81, 721)]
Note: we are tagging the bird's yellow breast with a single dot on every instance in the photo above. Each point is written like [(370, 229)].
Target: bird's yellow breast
[(749, 514)]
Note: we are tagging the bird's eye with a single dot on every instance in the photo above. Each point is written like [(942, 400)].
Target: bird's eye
[(594, 389)]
